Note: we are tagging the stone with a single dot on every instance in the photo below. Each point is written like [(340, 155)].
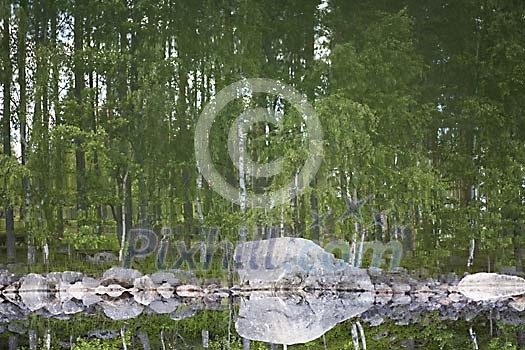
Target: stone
[(78, 290), (18, 328), (182, 275), (91, 299), (120, 275), (72, 307), (166, 290), (54, 307), (144, 283), (104, 334), (102, 257), (10, 293), (162, 277), (144, 297), (112, 290), (144, 291), (376, 321), (491, 286), (121, 309), (67, 277), (184, 311), (400, 288), (189, 291), (295, 263), (164, 306), (285, 319), (383, 293), (11, 311), (518, 304), (454, 297), (34, 291), (90, 282), (7, 278), (401, 299)]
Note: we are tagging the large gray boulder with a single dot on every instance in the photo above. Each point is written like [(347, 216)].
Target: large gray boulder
[(293, 319), (120, 275), (34, 291), (121, 309), (491, 286), (295, 263)]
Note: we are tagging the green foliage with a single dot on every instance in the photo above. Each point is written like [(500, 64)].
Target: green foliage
[(98, 344)]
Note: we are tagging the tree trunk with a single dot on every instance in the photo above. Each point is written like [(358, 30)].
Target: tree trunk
[(22, 109), (80, 157), (13, 342), (6, 126)]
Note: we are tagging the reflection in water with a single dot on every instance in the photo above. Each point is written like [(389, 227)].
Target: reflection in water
[(293, 299), (294, 319)]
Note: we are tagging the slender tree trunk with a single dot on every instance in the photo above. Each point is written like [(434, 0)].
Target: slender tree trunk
[(6, 125), (58, 157), (13, 342), (22, 109), (80, 157)]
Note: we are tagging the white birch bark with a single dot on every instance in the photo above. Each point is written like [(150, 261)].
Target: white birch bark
[(123, 238), (355, 337), (474, 339), (362, 334)]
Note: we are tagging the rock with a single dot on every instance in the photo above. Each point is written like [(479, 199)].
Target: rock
[(7, 278), (144, 283), (112, 290), (423, 294), (120, 275), (11, 311), (164, 306), (90, 282), (400, 288), (518, 304), (375, 271), (144, 290), (166, 290), (104, 334), (10, 293), (77, 291), (91, 299), (383, 293), (34, 291), (295, 263), (491, 286), (72, 307), (102, 257), (183, 312), (401, 299), (454, 297), (376, 321), (286, 320), (163, 277), (445, 302), (182, 275), (121, 309), (67, 277), (189, 291), (54, 307), (144, 297), (18, 328)]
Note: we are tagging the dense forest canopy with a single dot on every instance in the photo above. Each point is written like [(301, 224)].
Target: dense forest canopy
[(421, 105)]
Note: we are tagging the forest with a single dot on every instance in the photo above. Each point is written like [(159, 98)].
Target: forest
[(421, 105), (421, 108)]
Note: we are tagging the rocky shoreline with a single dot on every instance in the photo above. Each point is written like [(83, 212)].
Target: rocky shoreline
[(302, 290)]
